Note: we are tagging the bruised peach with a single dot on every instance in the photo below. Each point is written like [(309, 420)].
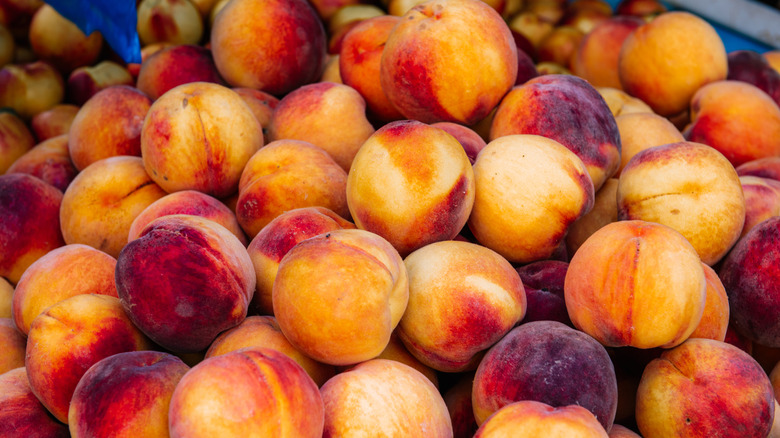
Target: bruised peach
[(532, 418), (50, 161), (176, 65), (85, 82), (15, 140), (53, 122), (58, 41), (596, 57), (21, 413)]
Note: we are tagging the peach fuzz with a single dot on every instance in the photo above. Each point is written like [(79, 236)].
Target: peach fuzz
[(13, 345), (126, 395), (15, 140), (704, 388), (277, 238), (199, 136), (58, 41), (412, 184), (736, 118), (60, 274), (463, 298), (50, 161), (249, 392), (715, 318), (69, 337), (85, 82), (30, 88), (468, 138), (21, 413), (188, 202), (176, 65), (640, 131), (768, 167), (620, 102), (278, 54), (338, 296), (427, 69), (604, 212), (535, 419), (53, 122), (762, 200), (107, 125), (101, 203), (596, 57), (6, 299), (623, 273), (383, 397), (29, 222), (184, 280), (169, 21), (286, 175), (264, 331), (689, 187), (529, 190), (678, 46)]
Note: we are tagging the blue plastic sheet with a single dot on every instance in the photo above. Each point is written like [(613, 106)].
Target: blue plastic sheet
[(116, 20)]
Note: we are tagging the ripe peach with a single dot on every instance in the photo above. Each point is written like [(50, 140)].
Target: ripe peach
[(184, 280), (678, 46), (29, 222), (15, 140), (535, 419), (331, 116), (281, 52), (58, 41), (627, 270), (762, 200), (85, 82), (596, 58), (471, 141), (21, 413), (176, 65), (383, 397), (560, 45), (126, 395), (767, 167), (522, 208), (640, 131), (543, 283), (101, 203), (12, 344), (619, 102), (186, 143), (338, 296), (585, 20), (53, 122), (547, 362), (30, 88), (411, 184), (565, 101), (49, 161), (704, 388), (252, 391), (170, 21), (752, 67), (715, 319), (62, 273), (427, 69), (69, 337)]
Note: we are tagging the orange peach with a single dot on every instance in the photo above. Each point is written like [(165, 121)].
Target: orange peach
[(627, 270), (604, 212), (274, 240), (762, 200), (85, 82), (261, 103), (679, 47), (53, 122), (170, 21), (30, 88), (176, 65), (535, 419), (427, 68), (596, 58), (58, 41), (400, 7), (21, 413), (560, 45), (619, 102), (60, 274), (15, 140), (281, 52), (768, 167), (249, 392), (383, 397), (29, 222), (13, 345), (69, 337), (187, 143), (715, 319), (331, 116), (471, 141), (6, 299), (338, 296), (49, 161), (640, 131), (101, 203), (529, 189), (331, 71), (412, 184)]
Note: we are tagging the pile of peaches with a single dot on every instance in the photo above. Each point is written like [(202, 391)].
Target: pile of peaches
[(337, 218)]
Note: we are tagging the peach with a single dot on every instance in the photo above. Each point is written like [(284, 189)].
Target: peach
[(596, 57), (458, 401), (543, 283), (331, 72), (704, 388), (604, 211), (560, 45), (102, 201), (620, 102), (411, 184), (534, 419), (549, 10), (170, 21), (532, 26), (285, 175), (85, 82), (264, 331), (619, 431), (647, 9), (69, 337), (204, 6), (58, 41), (184, 280), (261, 103), (565, 101), (547, 362), (12, 344), (21, 413), (29, 222), (427, 69), (349, 12), (752, 67), (526, 68), (274, 240), (736, 118), (679, 47), (750, 274), (400, 7), (463, 298), (471, 141), (625, 272), (762, 200), (338, 296), (53, 122), (715, 319), (188, 202), (396, 351), (49, 161), (278, 54), (585, 20), (640, 131), (6, 299), (767, 167), (529, 189), (249, 392), (689, 187), (30, 88), (176, 65), (331, 116), (15, 140), (383, 397), (187, 143)]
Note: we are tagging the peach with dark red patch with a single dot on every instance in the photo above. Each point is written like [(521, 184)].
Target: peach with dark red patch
[(532, 418), (471, 141), (85, 82), (21, 413), (58, 41), (752, 67), (762, 200), (596, 57), (543, 283), (15, 140), (184, 280), (176, 65), (458, 401), (30, 88), (169, 21), (53, 122)]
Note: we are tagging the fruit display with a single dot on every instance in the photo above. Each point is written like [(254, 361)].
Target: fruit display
[(387, 218)]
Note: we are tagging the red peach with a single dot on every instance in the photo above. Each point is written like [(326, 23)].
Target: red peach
[(458, 401), (752, 67), (176, 65), (762, 200), (53, 122), (543, 283), (49, 161), (21, 413), (715, 319)]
